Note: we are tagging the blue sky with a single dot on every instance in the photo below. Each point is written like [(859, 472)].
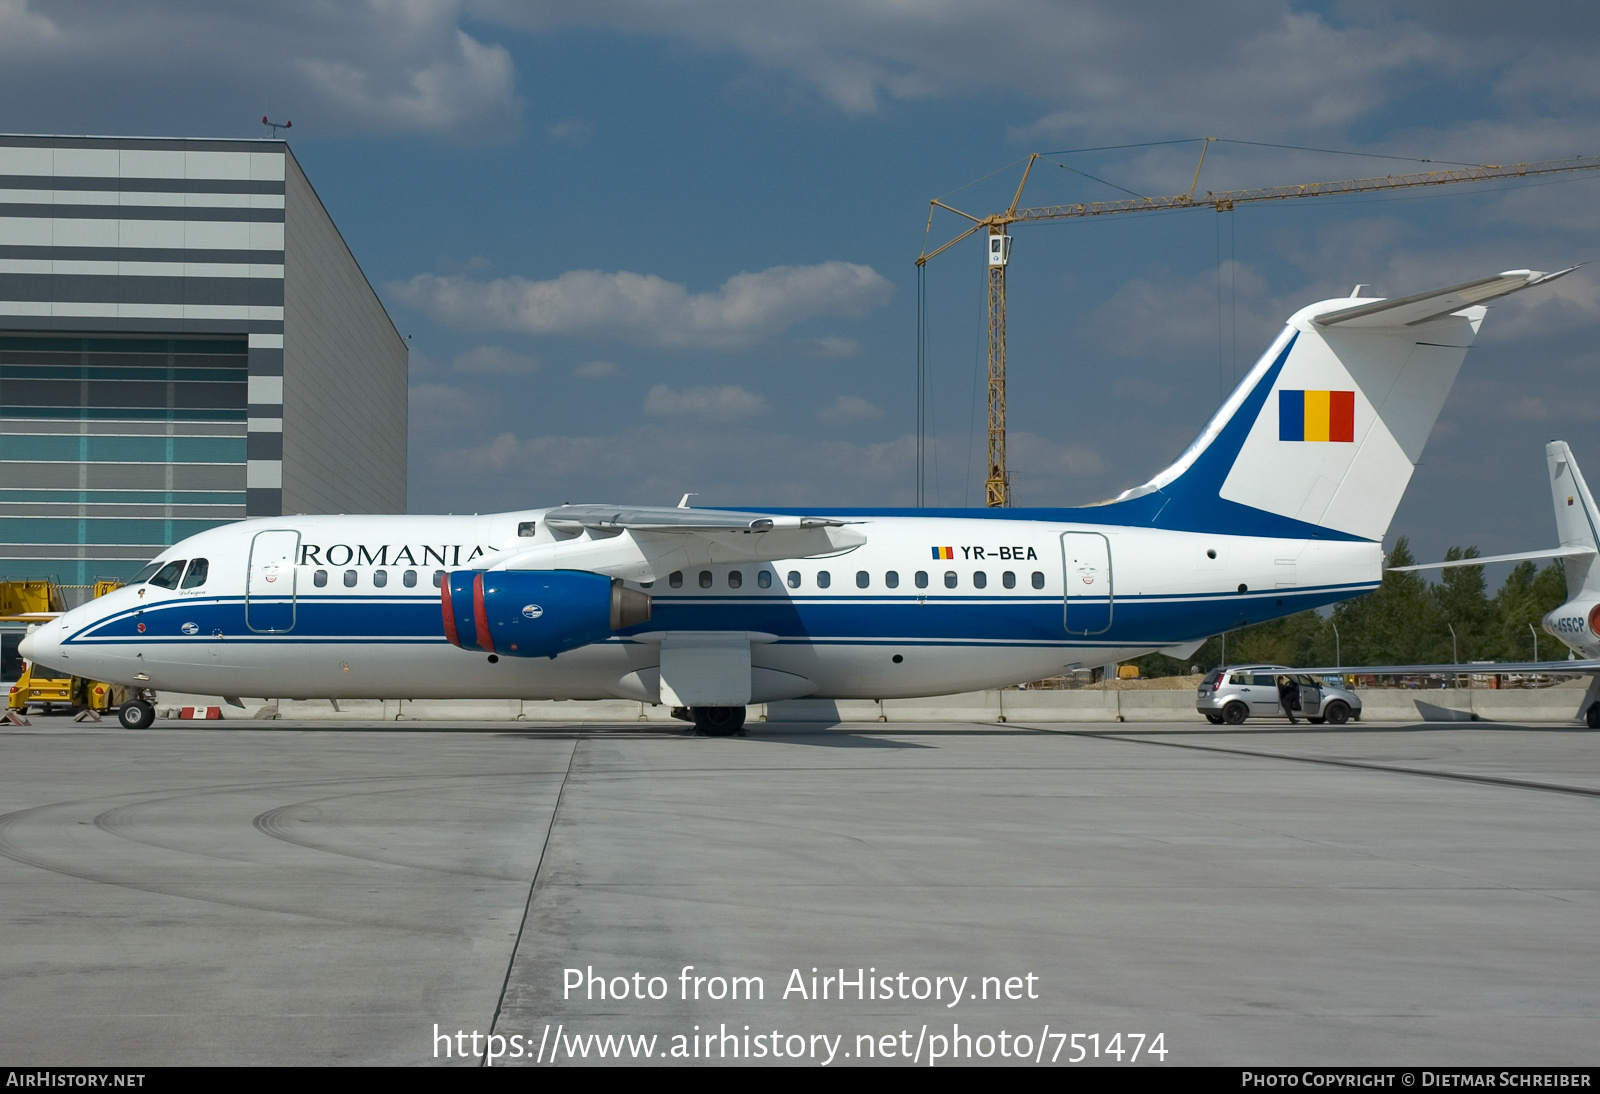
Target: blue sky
[(643, 248)]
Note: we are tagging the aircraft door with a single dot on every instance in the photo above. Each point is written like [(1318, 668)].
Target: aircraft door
[(269, 587), (1086, 557)]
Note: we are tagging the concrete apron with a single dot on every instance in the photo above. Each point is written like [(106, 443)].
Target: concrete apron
[(1384, 705)]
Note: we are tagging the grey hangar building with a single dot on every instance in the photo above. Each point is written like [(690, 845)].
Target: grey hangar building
[(185, 340)]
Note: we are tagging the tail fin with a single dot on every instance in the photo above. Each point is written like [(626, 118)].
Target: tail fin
[(1322, 436), (1577, 520)]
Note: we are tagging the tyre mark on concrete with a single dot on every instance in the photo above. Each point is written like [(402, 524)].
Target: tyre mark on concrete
[(10, 848), (281, 823)]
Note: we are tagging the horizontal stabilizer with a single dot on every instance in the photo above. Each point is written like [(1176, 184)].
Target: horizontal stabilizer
[(1553, 552), (1409, 311)]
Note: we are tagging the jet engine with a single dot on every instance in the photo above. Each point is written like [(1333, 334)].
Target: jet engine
[(536, 613)]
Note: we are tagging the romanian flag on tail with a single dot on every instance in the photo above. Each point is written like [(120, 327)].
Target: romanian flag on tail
[(1316, 415)]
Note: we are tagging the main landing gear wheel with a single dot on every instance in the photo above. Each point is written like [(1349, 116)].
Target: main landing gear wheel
[(718, 721), (1591, 717), (1235, 714), (137, 714)]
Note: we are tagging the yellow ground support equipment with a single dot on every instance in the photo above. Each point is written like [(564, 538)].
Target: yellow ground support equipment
[(36, 602), (31, 601)]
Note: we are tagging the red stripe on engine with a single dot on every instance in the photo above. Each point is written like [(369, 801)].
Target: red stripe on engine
[(449, 612), (480, 615)]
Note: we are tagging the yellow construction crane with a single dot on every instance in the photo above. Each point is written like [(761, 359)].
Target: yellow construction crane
[(997, 486)]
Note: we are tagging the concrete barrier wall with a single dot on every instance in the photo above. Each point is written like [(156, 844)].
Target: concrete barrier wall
[(1468, 704)]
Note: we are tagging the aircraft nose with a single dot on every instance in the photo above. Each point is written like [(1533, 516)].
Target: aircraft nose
[(25, 647)]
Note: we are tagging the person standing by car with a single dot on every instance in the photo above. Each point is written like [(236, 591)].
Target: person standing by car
[(1289, 697)]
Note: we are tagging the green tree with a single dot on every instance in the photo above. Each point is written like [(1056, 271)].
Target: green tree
[(1460, 601), (1393, 624), (1526, 597)]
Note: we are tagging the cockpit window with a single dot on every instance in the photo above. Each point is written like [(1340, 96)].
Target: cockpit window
[(167, 577), (198, 571), (146, 573)]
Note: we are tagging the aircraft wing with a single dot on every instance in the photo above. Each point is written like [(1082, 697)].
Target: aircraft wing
[(1552, 668), (649, 518), (646, 543)]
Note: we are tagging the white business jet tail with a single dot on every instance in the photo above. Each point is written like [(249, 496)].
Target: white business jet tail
[(1577, 526)]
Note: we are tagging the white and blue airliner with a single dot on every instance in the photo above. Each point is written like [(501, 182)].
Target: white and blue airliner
[(1280, 504)]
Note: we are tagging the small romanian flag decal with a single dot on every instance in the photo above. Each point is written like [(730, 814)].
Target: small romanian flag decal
[(944, 552), (1316, 415)]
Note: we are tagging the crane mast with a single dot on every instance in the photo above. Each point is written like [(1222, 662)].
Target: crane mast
[(997, 484)]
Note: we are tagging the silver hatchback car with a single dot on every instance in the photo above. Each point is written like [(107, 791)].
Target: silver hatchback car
[(1232, 694)]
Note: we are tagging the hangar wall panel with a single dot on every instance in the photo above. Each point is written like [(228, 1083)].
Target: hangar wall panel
[(344, 373), (151, 384)]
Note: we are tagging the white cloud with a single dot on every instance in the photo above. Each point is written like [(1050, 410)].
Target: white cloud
[(495, 361), (848, 409), (595, 370), (655, 465), (1175, 318), (383, 66), (829, 347), (642, 308), (571, 129), (441, 408), (725, 402), (1161, 66)]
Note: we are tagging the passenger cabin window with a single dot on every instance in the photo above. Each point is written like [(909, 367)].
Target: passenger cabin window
[(922, 579), (438, 578), (794, 579), (410, 579), (891, 579), (199, 569), (1008, 579), (320, 578), (1038, 579), (705, 579), (735, 579), (380, 578), (350, 579), (949, 579), (824, 579), (167, 577), (764, 579), (863, 579), (980, 580), (675, 579)]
